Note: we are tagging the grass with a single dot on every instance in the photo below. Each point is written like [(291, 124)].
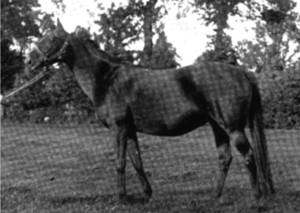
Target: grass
[(55, 168)]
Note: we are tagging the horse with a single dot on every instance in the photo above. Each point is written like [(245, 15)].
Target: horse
[(165, 102)]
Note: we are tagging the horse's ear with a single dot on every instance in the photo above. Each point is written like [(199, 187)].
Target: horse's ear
[(60, 29)]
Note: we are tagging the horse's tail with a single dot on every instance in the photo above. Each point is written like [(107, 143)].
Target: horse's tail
[(264, 180)]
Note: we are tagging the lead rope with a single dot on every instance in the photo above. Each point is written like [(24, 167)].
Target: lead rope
[(40, 75), (27, 84)]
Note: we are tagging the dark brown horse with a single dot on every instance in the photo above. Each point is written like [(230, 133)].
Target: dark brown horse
[(165, 102)]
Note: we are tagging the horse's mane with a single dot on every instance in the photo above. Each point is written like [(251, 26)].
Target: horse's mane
[(83, 36), (92, 45)]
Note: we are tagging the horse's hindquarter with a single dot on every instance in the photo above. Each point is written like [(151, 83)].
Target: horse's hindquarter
[(227, 91), (160, 106)]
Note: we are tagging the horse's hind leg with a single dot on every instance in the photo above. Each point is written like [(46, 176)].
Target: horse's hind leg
[(225, 157), (241, 142), (135, 157)]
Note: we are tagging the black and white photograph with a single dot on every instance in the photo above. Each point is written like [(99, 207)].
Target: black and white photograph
[(150, 106)]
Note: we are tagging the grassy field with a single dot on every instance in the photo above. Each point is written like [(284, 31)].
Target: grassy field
[(55, 168)]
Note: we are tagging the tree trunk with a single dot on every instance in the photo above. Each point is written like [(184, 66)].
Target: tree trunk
[(221, 22), (148, 32)]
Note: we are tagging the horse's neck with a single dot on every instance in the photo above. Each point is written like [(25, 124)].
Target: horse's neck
[(93, 74), (80, 55)]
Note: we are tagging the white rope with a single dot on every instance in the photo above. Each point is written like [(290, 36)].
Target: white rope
[(27, 84)]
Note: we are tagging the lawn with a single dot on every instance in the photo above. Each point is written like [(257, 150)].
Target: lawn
[(70, 168)]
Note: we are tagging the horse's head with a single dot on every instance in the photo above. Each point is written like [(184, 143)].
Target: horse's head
[(49, 49)]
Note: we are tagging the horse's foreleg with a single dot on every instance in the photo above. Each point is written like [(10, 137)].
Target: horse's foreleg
[(225, 157), (121, 162), (241, 142), (135, 157)]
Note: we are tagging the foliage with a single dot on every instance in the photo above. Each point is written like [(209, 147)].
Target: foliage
[(11, 63), (23, 20), (273, 56), (281, 99), (123, 26), (226, 55), (164, 54), (217, 12), (20, 22), (276, 42), (58, 98), (119, 28), (60, 4), (18, 19), (18, 25)]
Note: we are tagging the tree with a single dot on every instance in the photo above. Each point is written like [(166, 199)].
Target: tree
[(276, 40), (18, 19), (227, 55), (20, 22), (124, 25), (273, 55), (163, 53), (150, 15), (60, 4), (119, 28), (217, 12), (11, 63), (17, 23)]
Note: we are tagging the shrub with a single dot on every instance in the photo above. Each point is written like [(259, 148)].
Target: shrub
[(58, 99), (281, 99)]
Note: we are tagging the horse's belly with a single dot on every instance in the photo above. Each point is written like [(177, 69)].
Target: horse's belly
[(172, 122)]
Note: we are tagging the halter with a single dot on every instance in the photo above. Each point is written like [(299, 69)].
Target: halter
[(48, 60)]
